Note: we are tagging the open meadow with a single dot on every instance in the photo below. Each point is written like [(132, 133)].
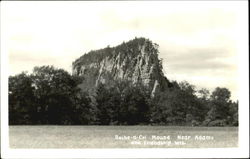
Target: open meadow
[(122, 137)]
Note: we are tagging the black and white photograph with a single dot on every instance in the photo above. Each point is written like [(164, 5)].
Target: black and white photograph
[(131, 79)]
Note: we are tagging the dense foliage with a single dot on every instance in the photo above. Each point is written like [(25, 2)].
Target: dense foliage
[(52, 96)]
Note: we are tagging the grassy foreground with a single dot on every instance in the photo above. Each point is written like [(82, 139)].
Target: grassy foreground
[(122, 137)]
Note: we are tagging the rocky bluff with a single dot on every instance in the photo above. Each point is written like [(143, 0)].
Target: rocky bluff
[(135, 61)]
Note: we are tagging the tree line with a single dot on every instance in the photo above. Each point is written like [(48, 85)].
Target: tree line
[(51, 96)]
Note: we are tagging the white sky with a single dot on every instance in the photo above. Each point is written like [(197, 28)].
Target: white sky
[(199, 41)]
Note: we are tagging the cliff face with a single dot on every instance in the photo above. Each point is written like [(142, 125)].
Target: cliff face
[(135, 61)]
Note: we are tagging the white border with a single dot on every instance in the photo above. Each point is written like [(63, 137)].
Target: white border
[(240, 152)]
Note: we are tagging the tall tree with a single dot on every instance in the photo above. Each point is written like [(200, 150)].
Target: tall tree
[(104, 106), (136, 105), (54, 89), (219, 107), (21, 99)]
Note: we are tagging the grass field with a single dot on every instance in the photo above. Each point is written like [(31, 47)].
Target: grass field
[(122, 137)]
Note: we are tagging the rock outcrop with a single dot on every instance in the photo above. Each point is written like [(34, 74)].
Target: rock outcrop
[(136, 61)]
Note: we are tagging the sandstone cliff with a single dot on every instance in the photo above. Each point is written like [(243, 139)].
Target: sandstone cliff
[(136, 61)]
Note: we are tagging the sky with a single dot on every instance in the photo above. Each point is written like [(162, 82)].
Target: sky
[(199, 41)]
